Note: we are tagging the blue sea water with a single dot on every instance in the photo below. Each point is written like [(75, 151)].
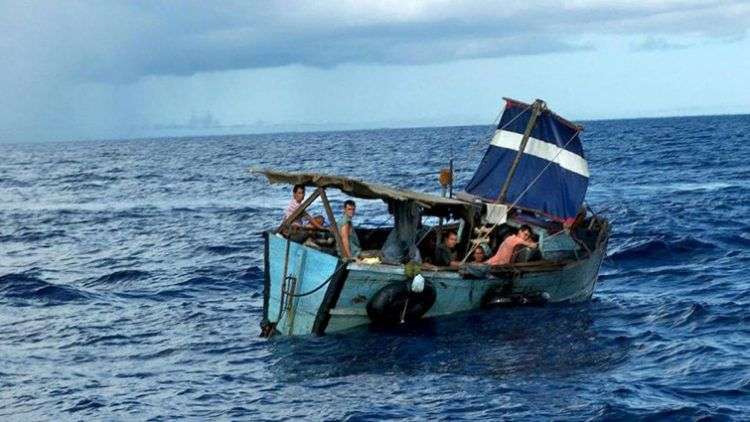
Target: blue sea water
[(131, 285)]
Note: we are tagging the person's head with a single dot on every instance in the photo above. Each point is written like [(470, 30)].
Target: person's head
[(319, 219), (298, 192), (450, 239), (524, 232), (479, 255), (350, 208)]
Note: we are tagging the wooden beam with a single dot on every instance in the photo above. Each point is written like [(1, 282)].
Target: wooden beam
[(450, 185), (332, 221), (300, 210), (465, 244), (536, 110)]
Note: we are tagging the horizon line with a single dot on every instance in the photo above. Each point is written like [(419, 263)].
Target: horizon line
[(374, 128)]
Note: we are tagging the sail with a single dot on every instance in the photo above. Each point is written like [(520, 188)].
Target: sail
[(552, 165)]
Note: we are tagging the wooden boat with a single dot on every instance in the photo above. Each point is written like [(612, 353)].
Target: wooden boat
[(533, 173)]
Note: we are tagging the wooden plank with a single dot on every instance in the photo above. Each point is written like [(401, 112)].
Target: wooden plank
[(330, 300), (529, 266), (332, 220), (301, 209), (535, 112), (465, 244), (572, 125)]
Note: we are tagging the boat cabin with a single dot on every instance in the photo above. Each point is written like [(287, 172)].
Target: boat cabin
[(411, 239)]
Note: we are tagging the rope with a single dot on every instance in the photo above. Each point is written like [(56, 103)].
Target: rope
[(517, 116), (326, 281), (285, 293), (381, 224), (497, 121), (390, 216), (424, 236), (487, 237), (544, 169)]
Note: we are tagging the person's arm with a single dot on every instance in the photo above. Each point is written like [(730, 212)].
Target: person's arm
[(345, 229), (491, 261), (443, 258), (312, 222), (529, 243), (453, 262)]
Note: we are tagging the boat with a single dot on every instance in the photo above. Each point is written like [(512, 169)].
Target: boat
[(533, 173)]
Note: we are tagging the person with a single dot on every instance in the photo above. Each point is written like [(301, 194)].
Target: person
[(298, 195), (445, 254), (320, 220), (321, 237), (504, 253), (349, 239), (481, 253)]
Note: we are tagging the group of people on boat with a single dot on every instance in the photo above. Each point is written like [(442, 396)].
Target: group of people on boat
[(349, 239), (445, 253)]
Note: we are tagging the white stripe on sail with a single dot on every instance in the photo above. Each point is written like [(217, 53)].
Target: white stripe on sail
[(544, 150)]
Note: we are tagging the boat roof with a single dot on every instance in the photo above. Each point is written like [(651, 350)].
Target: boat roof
[(432, 204)]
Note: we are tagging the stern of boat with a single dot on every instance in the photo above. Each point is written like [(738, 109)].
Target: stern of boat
[(301, 285)]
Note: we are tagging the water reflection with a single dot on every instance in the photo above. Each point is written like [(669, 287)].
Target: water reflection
[(499, 343)]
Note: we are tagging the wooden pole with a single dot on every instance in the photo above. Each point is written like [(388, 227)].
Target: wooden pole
[(450, 185), (536, 110), (301, 209), (332, 220)]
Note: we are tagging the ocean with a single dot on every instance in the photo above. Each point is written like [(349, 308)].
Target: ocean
[(131, 285)]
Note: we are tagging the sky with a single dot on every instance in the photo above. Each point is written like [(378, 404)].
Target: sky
[(112, 70)]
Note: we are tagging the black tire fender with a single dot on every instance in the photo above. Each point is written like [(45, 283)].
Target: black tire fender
[(387, 304)]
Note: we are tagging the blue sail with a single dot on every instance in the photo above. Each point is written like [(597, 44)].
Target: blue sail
[(552, 170)]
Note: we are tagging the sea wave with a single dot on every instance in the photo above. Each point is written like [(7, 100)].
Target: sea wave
[(150, 252), (27, 234), (117, 278), (224, 249), (662, 249), (24, 286)]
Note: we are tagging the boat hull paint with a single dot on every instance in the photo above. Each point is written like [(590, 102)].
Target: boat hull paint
[(352, 291), (306, 270)]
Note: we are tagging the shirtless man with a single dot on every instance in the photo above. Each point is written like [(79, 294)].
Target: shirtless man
[(505, 251)]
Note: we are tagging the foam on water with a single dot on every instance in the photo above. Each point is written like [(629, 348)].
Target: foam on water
[(131, 285)]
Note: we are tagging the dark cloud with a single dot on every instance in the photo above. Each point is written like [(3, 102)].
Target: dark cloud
[(68, 66), (122, 42)]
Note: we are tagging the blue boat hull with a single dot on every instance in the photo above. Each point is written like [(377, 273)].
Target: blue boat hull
[(322, 294)]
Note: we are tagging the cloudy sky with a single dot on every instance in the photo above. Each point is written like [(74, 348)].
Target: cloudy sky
[(105, 69)]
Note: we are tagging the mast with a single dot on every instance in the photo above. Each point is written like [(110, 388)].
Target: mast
[(536, 110)]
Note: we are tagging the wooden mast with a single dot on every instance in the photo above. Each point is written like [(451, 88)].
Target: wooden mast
[(332, 220), (536, 110)]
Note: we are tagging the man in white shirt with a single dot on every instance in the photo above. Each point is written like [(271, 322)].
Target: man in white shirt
[(298, 196)]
